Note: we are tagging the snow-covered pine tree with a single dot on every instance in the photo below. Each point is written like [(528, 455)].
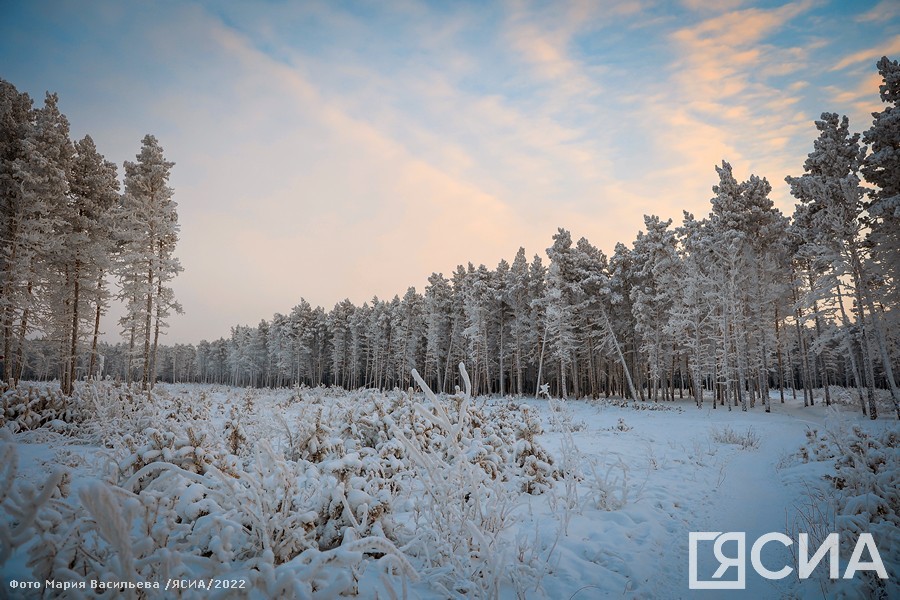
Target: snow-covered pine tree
[(280, 349), (521, 329), (147, 230), (560, 298), (881, 168), (500, 323), (358, 345), (537, 281), (408, 326), (438, 321), (830, 186), (592, 310), (743, 224), (16, 123), (259, 355), (653, 298), (478, 300), (621, 316), (693, 314), (767, 229), (341, 340), (85, 255), (42, 172)]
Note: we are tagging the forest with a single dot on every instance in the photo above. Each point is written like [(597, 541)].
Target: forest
[(737, 303)]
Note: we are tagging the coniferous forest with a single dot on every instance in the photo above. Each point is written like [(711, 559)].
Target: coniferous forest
[(737, 303)]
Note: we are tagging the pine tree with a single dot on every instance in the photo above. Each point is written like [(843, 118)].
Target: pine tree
[(341, 339), (85, 252), (882, 168), (830, 187), (438, 321), (558, 301), (521, 330), (653, 296), (148, 232), (693, 314), (16, 123), (42, 172)]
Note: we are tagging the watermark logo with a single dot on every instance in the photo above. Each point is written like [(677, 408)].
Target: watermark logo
[(733, 562)]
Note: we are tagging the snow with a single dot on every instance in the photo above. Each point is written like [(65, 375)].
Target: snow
[(623, 485)]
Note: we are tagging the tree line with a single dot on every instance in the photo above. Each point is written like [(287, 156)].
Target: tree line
[(67, 229), (735, 304)]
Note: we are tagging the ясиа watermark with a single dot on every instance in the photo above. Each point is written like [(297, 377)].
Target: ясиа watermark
[(806, 564)]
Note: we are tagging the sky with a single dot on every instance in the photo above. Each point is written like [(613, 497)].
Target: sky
[(331, 150)]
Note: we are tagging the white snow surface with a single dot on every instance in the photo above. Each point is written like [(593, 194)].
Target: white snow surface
[(627, 483)]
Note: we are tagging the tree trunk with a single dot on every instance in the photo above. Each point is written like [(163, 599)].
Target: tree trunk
[(96, 330), (868, 368), (73, 349), (145, 379), (778, 353), (19, 363)]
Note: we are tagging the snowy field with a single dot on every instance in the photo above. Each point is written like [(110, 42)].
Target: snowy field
[(323, 493)]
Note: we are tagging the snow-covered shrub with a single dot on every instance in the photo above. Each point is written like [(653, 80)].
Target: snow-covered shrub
[(287, 528), (312, 438), (727, 435), (561, 416), (116, 408), (21, 502), (609, 486), (817, 448), (621, 426), (462, 506), (31, 406), (234, 433), (188, 448), (862, 495)]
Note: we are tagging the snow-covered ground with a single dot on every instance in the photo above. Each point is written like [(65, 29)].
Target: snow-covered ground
[(321, 492)]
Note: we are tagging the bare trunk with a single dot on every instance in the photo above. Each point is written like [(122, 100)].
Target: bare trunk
[(145, 379), (851, 351), (73, 348), (618, 351), (868, 368), (780, 363), (96, 335), (156, 335), (540, 372), (8, 312), (19, 363)]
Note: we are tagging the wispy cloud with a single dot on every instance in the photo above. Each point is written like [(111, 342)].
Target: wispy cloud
[(872, 54), (882, 12), (720, 102)]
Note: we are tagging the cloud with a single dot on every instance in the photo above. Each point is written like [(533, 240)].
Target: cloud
[(867, 89), (712, 5), (882, 12), (721, 103), (871, 55)]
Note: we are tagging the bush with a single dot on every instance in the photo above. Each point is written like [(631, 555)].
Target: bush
[(727, 435)]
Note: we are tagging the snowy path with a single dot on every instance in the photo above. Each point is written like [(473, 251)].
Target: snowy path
[(684, 481), (752, 499)]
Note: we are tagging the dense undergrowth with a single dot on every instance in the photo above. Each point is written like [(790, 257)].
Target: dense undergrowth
[(206, 492)]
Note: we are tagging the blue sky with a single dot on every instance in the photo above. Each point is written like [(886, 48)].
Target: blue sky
[(348, 149)]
